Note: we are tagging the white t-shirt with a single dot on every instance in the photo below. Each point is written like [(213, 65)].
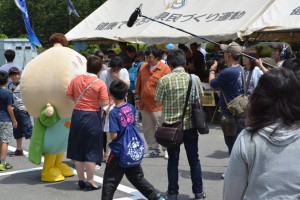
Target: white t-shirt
[(7, 66), (105, 76)]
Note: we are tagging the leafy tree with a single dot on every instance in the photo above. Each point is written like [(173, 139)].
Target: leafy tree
[(46, 17)]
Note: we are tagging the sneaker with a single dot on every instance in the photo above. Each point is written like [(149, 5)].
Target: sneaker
[(171, 196), (159, 197), (223, 176), (8, 165), (151, 154), (2, 167), (199, 196), (17, 153), (166, 156)]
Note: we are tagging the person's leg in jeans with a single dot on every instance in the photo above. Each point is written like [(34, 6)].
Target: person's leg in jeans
[(173, 162), (136, 177), (190, 139), (230, 140), (113, 175)]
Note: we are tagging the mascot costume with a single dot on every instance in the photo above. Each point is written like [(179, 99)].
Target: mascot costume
[(44, 82)]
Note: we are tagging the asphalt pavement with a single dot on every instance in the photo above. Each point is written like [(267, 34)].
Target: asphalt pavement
[(23, 181)]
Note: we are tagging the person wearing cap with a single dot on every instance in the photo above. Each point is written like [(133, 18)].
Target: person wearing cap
[(24, 128), (229, 81), (10, 56), (281, 52)]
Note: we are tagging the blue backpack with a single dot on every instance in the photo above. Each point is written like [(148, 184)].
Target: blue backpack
[(133, 73)]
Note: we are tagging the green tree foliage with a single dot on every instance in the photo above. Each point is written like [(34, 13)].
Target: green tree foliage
[(46, 17)]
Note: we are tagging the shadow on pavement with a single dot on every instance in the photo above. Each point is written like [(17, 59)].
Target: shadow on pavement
[(206, 175), (218, 154)]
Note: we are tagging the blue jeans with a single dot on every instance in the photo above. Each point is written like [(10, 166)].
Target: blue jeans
[(190, 140)]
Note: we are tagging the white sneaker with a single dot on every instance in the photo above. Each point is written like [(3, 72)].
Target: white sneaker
[(223, 176), (151, 154), (166, 156)]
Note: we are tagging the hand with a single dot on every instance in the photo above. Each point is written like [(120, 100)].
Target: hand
[(258, 62), (214, 66), (25, 110), (15, 124), (115, 75), (137, 104), (49, 110)]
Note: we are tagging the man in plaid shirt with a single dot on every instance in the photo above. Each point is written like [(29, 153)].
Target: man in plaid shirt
[(171, 93)]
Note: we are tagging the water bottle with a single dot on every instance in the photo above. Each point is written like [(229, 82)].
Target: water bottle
[(137, 119)]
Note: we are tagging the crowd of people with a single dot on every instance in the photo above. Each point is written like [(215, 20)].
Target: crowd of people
[(262, 142)]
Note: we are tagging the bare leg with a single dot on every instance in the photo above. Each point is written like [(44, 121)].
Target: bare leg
[(90, 168), (19, 143), (80, 170), (4, 147)]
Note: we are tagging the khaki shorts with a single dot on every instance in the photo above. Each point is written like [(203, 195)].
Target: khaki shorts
[(6, 132)]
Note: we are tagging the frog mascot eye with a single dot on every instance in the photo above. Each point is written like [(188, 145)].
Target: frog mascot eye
[(44, 83)]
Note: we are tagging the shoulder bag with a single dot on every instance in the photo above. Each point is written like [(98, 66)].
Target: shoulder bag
[(237, 106), (85, 90), (198, 114), (171, 135)]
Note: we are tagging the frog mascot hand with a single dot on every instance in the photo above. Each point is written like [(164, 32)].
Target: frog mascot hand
[(44, 82)]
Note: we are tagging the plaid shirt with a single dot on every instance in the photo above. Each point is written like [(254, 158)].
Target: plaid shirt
[(171, 92)]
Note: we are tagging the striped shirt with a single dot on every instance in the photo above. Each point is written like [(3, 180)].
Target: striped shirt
[(171, 92)]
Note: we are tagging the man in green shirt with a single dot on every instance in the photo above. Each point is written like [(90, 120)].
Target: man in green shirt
[(171, 93)]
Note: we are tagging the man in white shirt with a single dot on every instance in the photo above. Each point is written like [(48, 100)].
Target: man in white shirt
[(115, 72), (9, 56)]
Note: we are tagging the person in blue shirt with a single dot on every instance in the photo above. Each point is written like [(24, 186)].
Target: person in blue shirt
[(121, 116), (7, 120), (229, 81)]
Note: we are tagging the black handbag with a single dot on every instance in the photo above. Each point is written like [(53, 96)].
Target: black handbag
[(171, 135), (198, 115)]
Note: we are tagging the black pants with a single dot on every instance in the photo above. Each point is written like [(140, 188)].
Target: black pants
[(113, 175)]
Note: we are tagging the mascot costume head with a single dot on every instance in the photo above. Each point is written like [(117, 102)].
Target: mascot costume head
[(44, 82)]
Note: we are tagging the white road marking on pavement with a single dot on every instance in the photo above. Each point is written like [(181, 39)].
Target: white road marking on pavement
[(135, 193)]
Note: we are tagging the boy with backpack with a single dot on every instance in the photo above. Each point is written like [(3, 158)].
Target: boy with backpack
[(127, 148), (7, 120)]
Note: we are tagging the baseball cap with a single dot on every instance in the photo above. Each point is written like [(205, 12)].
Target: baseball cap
[(234, 48), (13, 70)]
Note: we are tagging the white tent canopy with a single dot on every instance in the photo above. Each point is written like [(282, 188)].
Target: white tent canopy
[(215, 19), (281, 21)]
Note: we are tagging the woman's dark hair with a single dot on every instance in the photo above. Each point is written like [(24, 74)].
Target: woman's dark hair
[(140, 56), (131, 49), (294, 65), (116, 62), (252, 52), (94, 64), (3, 77), (118, 89), (154, 51), (176, 58), (277, 96), (100, 54)]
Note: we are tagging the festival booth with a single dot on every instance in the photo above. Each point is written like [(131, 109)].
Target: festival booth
[(215, 20)]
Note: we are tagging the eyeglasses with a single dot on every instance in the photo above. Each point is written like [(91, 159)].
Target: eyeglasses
[(149, 57)]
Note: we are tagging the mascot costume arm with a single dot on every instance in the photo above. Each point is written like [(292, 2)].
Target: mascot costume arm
[(48, 117)]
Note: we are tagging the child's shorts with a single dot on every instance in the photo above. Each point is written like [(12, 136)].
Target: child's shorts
[(6, 132), (24, 128)]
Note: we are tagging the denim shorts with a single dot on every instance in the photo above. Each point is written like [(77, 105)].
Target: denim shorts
[(6, 132), (24, 128)]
